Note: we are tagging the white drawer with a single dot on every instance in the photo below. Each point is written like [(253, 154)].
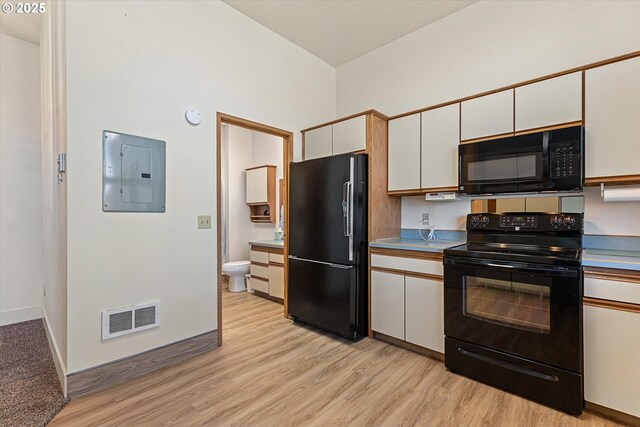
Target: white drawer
[(259, 285), (612, 290), (258, 256), (427, 266), (279, 258), (259, 270)]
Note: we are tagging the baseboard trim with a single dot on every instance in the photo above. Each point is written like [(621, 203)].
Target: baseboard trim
[(24, 314), (409, 346), (58, 361), (103, 376), (603, 411)]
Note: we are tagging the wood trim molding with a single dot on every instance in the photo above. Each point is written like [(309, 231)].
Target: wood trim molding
[(408, 273), (547, 128), (487, 138), (439, 190), (260, 248), (612, 180), (342, 119), (405, 253), (100, 377), (631, 276), (424, 276), (608, 61), (612, 305), (411, 192), (409, 346), (260, 167), (621, 417), (261, 264)]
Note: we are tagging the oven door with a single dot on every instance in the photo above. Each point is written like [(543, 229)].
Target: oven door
[(532, 311), (505, 165)]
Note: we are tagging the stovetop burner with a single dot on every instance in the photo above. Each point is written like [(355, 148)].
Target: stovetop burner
[(534, 238), (552, 255)]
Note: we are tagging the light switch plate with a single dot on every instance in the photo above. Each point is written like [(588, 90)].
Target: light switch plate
[(204, 221)]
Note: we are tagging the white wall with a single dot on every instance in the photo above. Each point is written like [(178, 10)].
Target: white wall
[(135, 67), (54, 193), (617, 218), (446, 215), (20, 182), (485, 46), (238, 222), (267, 150)]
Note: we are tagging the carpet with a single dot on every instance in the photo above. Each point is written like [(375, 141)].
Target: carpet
[(30, 392)]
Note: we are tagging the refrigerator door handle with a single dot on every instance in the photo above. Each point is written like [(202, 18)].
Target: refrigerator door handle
[(343, 267), (345, 208), (350, 206)]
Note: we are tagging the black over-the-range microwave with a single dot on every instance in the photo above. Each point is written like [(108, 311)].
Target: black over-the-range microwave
[(542, 161)]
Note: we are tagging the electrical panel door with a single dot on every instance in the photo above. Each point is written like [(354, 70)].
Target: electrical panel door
[(133, 178)]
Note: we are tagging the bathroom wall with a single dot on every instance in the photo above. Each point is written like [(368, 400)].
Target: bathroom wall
[(242, 149), (267, 150), (238, 227)]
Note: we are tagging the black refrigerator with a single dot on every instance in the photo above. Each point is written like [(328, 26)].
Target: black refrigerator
[(328, 244)]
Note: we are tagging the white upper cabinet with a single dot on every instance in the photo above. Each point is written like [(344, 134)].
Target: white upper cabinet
[(404, 153), (318, 143), (257, 186), (549, 102), (612, 119), (350, 135), (487, 116), (440, 139)]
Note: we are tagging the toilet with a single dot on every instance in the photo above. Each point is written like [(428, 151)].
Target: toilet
[(236, 270)]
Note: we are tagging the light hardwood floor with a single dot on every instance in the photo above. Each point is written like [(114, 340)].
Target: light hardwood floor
[(270, 372)]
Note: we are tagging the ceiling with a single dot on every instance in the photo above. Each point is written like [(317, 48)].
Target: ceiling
[(21, 26), (338, 31)]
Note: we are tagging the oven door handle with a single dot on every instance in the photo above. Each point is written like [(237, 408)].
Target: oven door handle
[(514, 266), (507, 365)]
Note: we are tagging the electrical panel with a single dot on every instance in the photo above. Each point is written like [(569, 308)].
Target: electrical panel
[(133, 173)]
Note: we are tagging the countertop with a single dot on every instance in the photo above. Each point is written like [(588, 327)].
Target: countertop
[(611, 258), (279, 244), (415, 244)]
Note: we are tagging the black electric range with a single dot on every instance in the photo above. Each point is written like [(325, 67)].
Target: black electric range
[(513, 305)]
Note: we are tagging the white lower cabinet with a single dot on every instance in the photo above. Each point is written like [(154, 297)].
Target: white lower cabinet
[(611, 356), (408, 308), (387, 303), (424, 312)]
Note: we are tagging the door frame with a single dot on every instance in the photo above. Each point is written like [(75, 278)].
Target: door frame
[(287, 138)]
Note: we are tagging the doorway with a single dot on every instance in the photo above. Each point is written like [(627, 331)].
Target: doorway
[(287, 154)]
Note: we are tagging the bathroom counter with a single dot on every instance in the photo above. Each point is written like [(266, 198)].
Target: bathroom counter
[(275, 244)]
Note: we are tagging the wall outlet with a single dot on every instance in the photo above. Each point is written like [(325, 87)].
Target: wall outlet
[(204, 221), (425, 218)]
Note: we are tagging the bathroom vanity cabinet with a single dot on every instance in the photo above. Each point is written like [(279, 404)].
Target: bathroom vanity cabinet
[(267, 270)]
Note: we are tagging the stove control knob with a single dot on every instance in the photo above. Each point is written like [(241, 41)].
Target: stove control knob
[(569, 220), (556, 220), (485, 220), (475, 220)]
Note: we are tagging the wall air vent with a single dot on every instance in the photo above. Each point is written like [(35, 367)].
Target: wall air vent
[(127, 320)]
